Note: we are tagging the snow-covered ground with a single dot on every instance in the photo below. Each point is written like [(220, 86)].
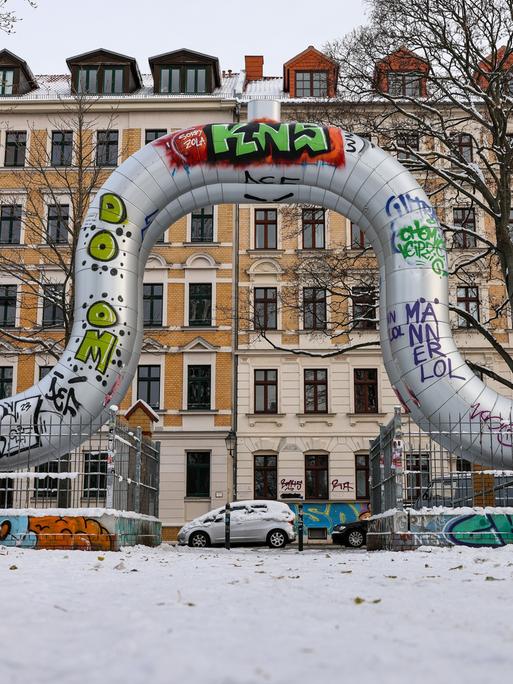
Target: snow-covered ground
[(186, 616)]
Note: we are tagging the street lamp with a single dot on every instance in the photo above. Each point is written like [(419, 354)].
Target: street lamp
[(231, 441)]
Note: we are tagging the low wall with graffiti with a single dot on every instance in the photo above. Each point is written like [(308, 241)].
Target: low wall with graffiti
[(406, 530), (327, 515), (86, 529)]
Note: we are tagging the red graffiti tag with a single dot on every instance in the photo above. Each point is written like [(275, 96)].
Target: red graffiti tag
[(341, 486)]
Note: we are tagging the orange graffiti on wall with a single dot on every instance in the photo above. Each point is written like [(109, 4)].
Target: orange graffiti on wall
[(70, 533)]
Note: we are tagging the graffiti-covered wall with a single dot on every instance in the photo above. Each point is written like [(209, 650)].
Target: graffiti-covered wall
[(442, 527), (84, 529)]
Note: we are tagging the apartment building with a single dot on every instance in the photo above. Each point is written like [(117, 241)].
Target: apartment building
[(220, 348)]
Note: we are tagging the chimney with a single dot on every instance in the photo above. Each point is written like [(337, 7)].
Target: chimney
[(254, 67)]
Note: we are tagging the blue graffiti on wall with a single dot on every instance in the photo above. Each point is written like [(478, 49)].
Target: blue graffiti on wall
[(14, 532), (330, 514)]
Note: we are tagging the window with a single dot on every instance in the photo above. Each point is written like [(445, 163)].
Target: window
[(316, 476), (311, 83), (8, 306), (15, 148), (153, 133), (417, 476), (113, 80), (95, 475), (463, 146), (313, 228), (408, 140), (314, 308), (404, 84), (58, 223), (316, 390), (358, 239), (87, 83), (5, 381), (198, 388), (43, 371), (198, 474), (362, 476), (462, 465), (200, 304), (152, 303), (468, 300), (46, 487), (266, 228), (266, 391), (6, 81), (10, 224), (53, 313), (170, 79), (195, 79), (266, 477), (62, 148), (464, 217), (107, 148), (183, 79), (148, 385), (364, 307), (266, 303), (202, 225), (365, 390)]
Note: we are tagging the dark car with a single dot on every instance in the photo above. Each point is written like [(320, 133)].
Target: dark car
[(352, 534)]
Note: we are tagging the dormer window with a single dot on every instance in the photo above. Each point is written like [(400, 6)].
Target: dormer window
[(87, 83), (185, 72), (183, 79), (102, 72), (311, 83), (404, 84), (113, 80), (6, 81)]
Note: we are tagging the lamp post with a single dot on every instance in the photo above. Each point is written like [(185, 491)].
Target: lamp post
[(231, 442)]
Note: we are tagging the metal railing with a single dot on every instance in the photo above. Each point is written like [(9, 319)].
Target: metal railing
[(409, 468), (116, 467)]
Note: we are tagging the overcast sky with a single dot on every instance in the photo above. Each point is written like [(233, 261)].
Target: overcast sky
[(277, 29)]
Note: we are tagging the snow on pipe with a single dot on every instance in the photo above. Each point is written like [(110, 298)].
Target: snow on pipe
[(257, 162)]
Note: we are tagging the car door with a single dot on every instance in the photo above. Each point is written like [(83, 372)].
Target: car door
[(257, 525), (239, 523), (216, 528)]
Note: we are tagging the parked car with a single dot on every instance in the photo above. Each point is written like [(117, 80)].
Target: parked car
[(352, 534), (266, 522)]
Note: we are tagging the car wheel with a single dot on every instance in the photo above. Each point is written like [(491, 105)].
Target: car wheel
[(355, 538), (199, 540), (277, 539)]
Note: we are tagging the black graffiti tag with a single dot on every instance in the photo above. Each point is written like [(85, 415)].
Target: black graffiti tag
[(63, 398)]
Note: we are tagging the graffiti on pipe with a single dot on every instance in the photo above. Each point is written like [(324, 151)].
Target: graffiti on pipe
[(256, 142), (420, 240)]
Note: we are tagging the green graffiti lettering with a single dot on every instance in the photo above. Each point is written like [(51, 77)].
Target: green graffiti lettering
[(280, 137), (223, 133), (313, 137), (101, 315), (103, 246), (99, 346), (424, 242), (112, 208)]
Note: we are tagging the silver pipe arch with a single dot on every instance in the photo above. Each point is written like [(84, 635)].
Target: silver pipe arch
[(260, 161)]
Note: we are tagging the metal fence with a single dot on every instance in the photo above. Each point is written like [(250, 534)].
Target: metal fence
[(115, 467), (410, 469)]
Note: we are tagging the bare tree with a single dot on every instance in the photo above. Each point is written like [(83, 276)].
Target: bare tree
[(445, 113), (9, 18), (58, 180)]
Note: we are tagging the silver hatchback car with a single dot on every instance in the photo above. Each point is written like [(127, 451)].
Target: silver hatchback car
[(267, 522)]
